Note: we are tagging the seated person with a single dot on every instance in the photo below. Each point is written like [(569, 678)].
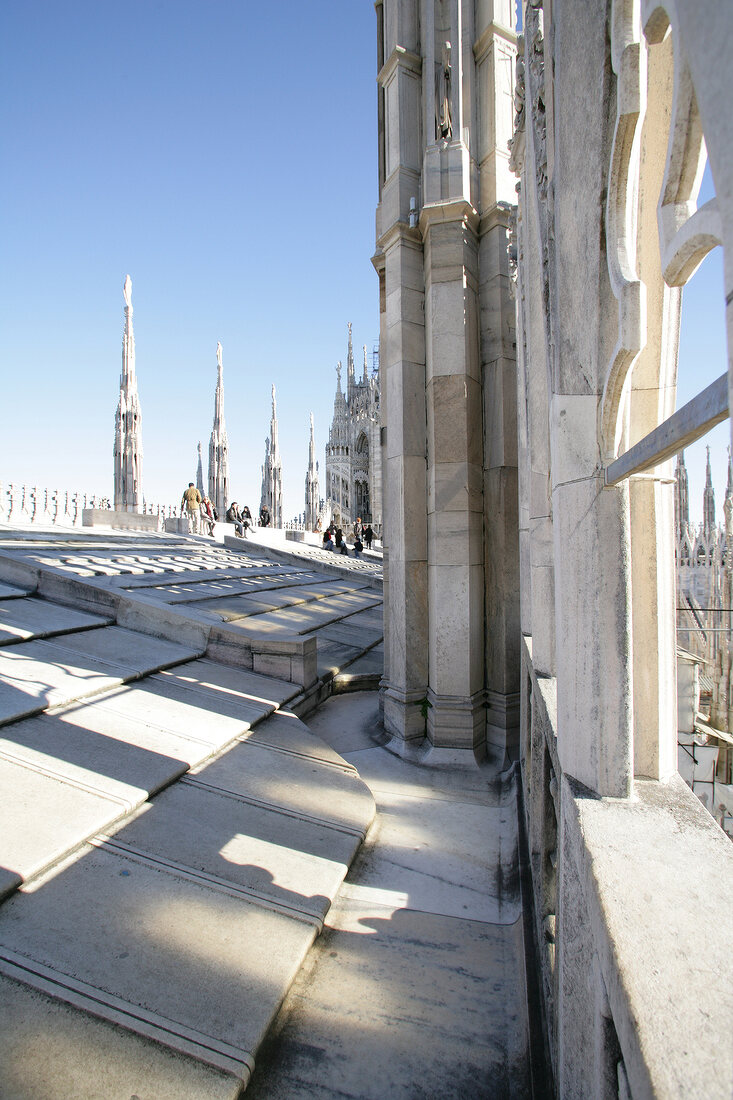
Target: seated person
[(208, 516), (358, 546), (327, 540), (235, 516), (247, 518)]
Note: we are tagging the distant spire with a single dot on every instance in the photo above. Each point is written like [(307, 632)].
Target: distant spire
[(729, 486), (128, 447), (350, 364), (311, 486), (681, 497), (219, 444), (272, 472), (200, 473), (708, 506)]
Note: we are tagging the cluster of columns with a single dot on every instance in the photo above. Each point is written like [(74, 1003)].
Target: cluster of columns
[(448, 373)]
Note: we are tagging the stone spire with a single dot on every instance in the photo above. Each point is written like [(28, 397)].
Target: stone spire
[(311, 486), (365, 377), (200, 473), (729, 486), (337, 462), (128, 446), (219, 446), (272, 472), (350, 376), (708, 502), (681, 498)]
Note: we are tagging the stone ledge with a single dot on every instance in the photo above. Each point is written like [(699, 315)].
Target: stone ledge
[(658, 878), (121, 521)]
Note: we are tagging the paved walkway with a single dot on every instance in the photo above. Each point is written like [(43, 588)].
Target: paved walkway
[(416, 988)]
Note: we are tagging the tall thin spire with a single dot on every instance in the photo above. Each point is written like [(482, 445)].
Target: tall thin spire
[(219, 445), (200, 473), (681, 497), (311, 486), (350, 365), (272, 472), (128, 447), (366, 373), (708, 503)]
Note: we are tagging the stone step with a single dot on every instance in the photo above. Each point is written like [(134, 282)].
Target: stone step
[(22, 619), (330, 796), (37, 675), (74, 1051), (76, 771), (192, 964), (272, 855), (309, 617), (264, 598), (11, 591), (167, 946)]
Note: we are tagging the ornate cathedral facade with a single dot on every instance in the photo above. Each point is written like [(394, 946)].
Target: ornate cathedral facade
[(353, 453)]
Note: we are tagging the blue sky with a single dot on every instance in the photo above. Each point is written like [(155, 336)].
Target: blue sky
[(226, 160)]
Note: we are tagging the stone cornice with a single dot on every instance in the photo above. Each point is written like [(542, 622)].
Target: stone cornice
[(399, 58), (399, 231), (499, 214), (485, 40), (378, 261), (435, 213)]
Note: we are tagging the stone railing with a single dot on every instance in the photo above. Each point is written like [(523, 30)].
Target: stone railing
[(24, 505)]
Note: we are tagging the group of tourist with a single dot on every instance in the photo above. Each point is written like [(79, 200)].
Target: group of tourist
[(202, 515), (333, 539)]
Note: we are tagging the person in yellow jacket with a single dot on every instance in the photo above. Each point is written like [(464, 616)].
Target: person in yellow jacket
[(191, 501)]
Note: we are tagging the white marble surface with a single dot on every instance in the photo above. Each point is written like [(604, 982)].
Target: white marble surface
[(416, 986)]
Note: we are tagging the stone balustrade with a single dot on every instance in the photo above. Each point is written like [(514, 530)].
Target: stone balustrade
[(31, 505)]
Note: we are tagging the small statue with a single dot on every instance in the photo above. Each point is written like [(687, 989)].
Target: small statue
[(218, 353), (127, 292), (443, 119)]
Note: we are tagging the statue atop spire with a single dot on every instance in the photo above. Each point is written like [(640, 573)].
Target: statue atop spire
[(219, 445), (338, 377), (128, 447)]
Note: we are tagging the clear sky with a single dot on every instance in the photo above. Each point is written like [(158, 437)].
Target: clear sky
[(226, 158)]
